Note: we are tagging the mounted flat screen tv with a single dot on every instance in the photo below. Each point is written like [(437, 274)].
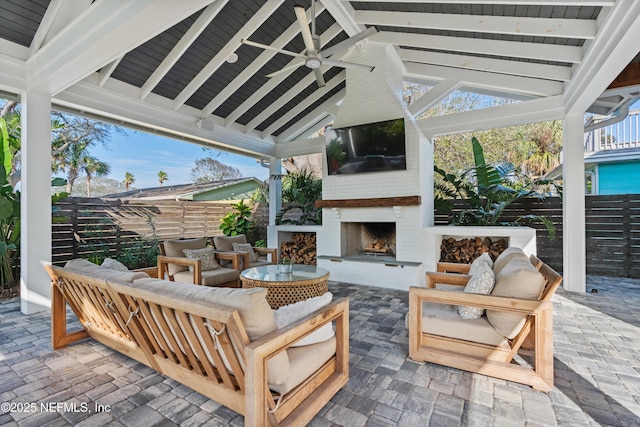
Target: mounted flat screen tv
[(373, 147)]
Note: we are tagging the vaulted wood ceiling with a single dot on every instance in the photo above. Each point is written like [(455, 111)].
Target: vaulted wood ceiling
[(161, 65)]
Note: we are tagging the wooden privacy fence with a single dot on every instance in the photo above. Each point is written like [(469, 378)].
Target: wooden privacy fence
[(106, 225), (612, 227)]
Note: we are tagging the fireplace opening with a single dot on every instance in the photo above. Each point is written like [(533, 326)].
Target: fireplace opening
[(369, 239)]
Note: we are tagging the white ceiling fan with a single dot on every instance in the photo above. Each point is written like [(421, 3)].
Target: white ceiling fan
[(314, 57)]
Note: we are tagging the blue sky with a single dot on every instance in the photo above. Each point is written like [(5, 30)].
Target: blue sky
[(145, 154)]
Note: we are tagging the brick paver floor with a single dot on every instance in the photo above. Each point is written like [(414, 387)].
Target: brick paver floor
[(597, 374)]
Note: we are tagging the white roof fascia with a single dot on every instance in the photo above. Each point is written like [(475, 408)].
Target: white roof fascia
[(104, 32)]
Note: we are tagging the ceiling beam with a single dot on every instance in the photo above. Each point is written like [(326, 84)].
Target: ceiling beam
[(156, 115), (603, 3), (107, 70), (256, 65), (537, 110), (181, 47), (300, 147), (343, 13), (59, 14), (483, 80), (12, 74), (540, 51), (105, 31), (329, 107), (234, 43), (500, 66), (605, 57), (306, 103), (273, 82), (433, 96), (521, 26)]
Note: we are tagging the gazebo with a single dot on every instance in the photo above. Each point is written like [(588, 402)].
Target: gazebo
[(185, 70)]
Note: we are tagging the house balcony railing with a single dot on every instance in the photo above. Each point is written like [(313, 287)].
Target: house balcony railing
[(624, 134)]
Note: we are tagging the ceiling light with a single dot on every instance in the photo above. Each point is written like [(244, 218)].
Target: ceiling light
[(312, 63), (232, 57)]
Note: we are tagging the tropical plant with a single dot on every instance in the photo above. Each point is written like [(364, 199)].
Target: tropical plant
[(10, 204), (238, 221), (74, 159), (301, 190), (94, 167), (128, 180), (486, 191), (162, 177)]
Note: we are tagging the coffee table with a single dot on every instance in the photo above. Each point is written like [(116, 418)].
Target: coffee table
[(305, 281)]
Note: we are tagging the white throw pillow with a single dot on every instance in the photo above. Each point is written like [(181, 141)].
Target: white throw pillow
[(246, 247), (207, 256), (113, 264), (288, 314), (484, 258), (481, 282)]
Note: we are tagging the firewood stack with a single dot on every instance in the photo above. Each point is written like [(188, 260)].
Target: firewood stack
[(301, 248), (466, 250)]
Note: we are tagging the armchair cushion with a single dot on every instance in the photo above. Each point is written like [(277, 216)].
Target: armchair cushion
[(245, 247), (290, 313), (481, 282), (175, 248), (443, 320), (517, 279), (209, 277), (225, 243), (506, 256), (207, 257)]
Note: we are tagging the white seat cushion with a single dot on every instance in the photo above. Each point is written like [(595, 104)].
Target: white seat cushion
[(288, 314)]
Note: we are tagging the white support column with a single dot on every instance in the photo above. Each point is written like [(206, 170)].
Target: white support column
[(35, 200), (574, 262), (275, 194)]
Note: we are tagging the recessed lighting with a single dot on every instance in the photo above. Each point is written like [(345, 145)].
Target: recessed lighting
[(232, 57)]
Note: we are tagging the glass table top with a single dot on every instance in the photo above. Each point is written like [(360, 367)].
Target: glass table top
[(269, 273)]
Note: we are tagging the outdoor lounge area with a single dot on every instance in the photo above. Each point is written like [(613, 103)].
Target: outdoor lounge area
[(597, 381)]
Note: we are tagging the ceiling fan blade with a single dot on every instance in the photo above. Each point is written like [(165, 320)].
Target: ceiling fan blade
[(344, 64), (319, 77), (345, 44), (304, 28), (264, 46), (286, 69)]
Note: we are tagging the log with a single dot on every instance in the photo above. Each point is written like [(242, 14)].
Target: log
[(466, 250), (301, 248)]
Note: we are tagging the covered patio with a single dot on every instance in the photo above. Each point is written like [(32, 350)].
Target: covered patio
[(596, 373), (186, 72)]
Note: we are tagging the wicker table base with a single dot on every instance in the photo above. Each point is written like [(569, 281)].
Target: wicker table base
[(283, 289)]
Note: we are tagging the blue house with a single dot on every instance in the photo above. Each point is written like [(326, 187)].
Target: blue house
[(611, 158)]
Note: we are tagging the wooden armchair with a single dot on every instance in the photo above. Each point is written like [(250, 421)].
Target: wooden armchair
[(495, 355), (225, 244), (179, 268)]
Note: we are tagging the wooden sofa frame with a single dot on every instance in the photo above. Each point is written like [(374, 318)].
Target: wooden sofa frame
[(109, 313), (535, 336), (164, 261), (246, 259)]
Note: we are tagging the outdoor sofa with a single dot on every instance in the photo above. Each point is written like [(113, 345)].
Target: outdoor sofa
[(223, 343)]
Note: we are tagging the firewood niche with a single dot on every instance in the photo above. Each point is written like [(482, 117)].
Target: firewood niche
[(301, 248), (466, 250)]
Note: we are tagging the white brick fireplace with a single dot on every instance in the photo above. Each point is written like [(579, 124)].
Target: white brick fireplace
[(373, 97)]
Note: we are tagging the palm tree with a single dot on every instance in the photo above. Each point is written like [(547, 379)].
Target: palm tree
[(128, 180), (94, 167), (162, 177)]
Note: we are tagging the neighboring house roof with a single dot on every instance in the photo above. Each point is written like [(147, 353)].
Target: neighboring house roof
[(187, 191)]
